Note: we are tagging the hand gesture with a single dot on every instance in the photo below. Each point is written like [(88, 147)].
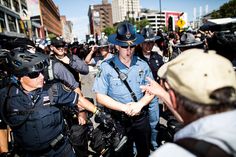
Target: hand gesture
[(153, 88)]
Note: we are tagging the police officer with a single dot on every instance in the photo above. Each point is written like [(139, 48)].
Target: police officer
[(117, 88), (155, 61), (71, 61), (98, 53), (30, 108)]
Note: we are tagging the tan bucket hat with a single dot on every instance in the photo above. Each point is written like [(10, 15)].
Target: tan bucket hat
[(195, 74)]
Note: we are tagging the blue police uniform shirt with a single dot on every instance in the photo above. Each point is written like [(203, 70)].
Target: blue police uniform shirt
[(36, 114), (107, 81), (64, 75)]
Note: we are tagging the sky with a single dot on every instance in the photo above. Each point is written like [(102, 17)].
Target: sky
[(77, 10)]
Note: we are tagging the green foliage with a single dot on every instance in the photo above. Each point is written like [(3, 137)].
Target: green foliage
[(226, 10), (142, 23), (51, 35), (109, 30)]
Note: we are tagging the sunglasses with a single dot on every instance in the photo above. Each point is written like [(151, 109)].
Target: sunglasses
[(34, 74), (125, 47)]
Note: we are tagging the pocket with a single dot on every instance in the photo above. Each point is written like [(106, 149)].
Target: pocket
[(51, 118), (116, 86)]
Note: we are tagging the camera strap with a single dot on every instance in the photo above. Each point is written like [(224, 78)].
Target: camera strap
[(123, 78)]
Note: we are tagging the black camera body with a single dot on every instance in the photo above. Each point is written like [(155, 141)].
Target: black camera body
[(108, 138)]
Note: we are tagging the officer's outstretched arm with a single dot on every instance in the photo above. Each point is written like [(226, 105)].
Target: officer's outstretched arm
[(110, 103), (86, 104)]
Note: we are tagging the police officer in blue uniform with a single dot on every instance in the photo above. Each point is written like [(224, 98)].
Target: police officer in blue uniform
[(155, 61), (72, 62), (117, 88), (31, 110)]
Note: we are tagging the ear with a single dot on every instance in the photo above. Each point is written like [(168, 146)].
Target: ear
[(173, 99), (117, 47)]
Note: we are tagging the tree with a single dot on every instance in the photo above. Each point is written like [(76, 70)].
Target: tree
[(142, 23), (109, 30), (226, 10)]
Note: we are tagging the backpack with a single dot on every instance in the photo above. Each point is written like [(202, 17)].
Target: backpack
[(201, 148)]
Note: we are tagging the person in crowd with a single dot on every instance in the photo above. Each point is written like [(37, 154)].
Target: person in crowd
[(187, 41), (204, 94), (171, 43), (32, 108), (75, 65), (71, 61), (154, 61), (117, 88), (98, 53)]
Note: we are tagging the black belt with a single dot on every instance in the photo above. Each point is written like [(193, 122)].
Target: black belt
[(53, 145), (128, 120)]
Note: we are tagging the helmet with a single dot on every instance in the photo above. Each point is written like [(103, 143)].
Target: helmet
[(22, 62), (103, 42), (148, 34), (58, 42)]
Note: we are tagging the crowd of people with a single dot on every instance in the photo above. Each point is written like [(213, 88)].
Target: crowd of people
[(140, 78)]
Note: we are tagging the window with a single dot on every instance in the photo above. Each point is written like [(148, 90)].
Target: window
[(2, 23), (23, 2), (7, 3), (12, 23), (16, 5), (21, 26)]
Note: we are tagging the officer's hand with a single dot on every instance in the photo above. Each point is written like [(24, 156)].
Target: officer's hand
[(134, 108), (82, 117), (94, 48)]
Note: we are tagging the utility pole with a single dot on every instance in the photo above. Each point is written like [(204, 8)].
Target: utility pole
[(160, 13), (132, 5)]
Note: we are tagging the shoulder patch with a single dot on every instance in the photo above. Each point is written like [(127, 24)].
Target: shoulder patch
[(65, 88)]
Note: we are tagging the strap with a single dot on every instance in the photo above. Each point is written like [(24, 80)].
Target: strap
[(123, 78), (202, 148), (50, 70)]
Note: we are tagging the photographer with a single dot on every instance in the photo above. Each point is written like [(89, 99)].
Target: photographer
[(98, 53)]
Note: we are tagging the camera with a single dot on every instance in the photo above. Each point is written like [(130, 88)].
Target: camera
[(108, 137)]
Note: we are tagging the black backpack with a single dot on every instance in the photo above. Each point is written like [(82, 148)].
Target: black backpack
[(201, 148)]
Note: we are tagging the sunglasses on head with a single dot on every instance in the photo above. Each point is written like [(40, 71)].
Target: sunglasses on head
[(125, 47), (34, 74)]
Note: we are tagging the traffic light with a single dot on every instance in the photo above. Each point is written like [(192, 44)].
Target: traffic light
[(170, 23)]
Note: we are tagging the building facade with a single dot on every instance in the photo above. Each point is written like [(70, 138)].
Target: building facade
[(159, 20), (13, 18), (100, 17), (50, 18), (45, 19), (66, 29), (125, 9)]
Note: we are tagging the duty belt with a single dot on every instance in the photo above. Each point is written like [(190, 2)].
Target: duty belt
[(53, 145), (128, 120)]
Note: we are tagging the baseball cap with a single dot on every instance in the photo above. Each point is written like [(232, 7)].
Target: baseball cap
[(195, 74)]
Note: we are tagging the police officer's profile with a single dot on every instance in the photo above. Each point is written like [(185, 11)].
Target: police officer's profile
[(117, 89), (30, 108)]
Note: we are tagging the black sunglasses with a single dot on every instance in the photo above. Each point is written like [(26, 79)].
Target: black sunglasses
[(34, 74), (125, 47)]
